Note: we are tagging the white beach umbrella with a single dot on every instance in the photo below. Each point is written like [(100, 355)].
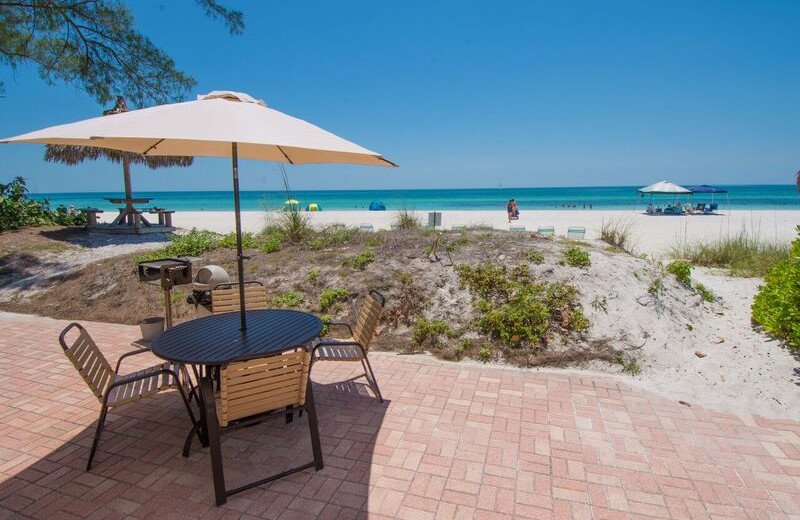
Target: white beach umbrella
[(219, 124), (664, 187)]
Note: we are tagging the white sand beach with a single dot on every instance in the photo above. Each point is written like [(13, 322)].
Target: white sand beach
[(654, 235)]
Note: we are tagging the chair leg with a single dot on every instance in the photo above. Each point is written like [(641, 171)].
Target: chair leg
[(313, 427), (211, 427), (371, 378), (97, 433)]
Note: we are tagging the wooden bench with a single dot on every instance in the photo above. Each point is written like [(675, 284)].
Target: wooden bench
[(91, 216), (164, 216)]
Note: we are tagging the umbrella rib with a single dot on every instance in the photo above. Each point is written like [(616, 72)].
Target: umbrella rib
[(154, 145), (284, 154)]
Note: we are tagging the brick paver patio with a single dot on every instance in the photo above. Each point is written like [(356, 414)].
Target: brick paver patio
[(451, 441)]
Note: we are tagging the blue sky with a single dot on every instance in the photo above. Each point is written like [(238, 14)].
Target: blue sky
[(473, 94)]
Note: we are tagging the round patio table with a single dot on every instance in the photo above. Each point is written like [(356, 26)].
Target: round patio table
[(217, 339)]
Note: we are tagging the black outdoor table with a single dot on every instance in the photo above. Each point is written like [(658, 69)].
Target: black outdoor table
[(216, 340)]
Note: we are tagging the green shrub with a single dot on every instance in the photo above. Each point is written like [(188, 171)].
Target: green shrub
[(486, 281), (376, 239), (576, 257), (682, 271), (524, 318), (776, 307), (327, 319), (331, 236), (229, 241), (705, 292), (313, 275), (288, 299), (745, 254), (535, 257), (485, 353), (193, 243), (429, 331), (18, 210), (271, 244), (656, 286), (461, 348), (361, 260), (292, 226), (332, 297)]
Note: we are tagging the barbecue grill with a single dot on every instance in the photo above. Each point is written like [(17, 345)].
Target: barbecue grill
[(166, 272), (205, 280)]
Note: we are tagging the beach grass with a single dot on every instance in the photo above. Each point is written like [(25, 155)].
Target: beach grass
[(406, 218), (618, 233), (745, 254)]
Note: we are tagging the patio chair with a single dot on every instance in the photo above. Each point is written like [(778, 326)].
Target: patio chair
[(576, 233), (516, 228), (356, 346), (225, 297), (252, 391), (457, 227), (366, 226), (547, 231), (114, 390)]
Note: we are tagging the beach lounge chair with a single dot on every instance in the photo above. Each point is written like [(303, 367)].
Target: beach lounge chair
[(366, 227), (659, 211), (355, 347), (713, 207), (547, 231), (458, 227), (576, 233), (114, 390), (225, 297), (516, 228), (252, 391)]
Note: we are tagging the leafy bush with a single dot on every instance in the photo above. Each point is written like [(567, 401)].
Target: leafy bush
[(486, 280), (327, 319), (18, 210), (291, 226), (705, 292), (331, 236), (376, 239), (682, 271), (485, 353), (656, 286), (576, 257), (524, 318), (332, 297), (618, 234), (776, 307), (745, 254), (429, 331), (535, 257), (193, 243), (288, 299), (229, 241), (361, 260), (271, 244), (407, 219), (313, 275)]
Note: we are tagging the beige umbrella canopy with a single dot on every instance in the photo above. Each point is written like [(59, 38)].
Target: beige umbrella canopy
[(72, 155), (219, 124)]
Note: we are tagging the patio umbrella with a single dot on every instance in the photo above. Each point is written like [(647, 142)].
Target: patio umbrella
[(71, 155), (663, 187), (219, 124)]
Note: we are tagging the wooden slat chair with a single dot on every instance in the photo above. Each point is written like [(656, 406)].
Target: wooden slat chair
[(547, 231), (114, 390), (225, 297), (251, 391), (356, 346)]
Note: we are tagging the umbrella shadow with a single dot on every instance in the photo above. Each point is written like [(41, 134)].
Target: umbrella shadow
[(138, 469)]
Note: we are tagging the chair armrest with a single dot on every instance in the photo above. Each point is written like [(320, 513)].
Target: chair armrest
[(334, 343), (128, 354), (124, 380), (341, 324)]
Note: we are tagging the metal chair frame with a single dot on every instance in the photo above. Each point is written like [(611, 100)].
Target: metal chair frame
[(103, 394), (368, 374)]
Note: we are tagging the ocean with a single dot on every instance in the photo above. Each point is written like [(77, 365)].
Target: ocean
[(612, 197)]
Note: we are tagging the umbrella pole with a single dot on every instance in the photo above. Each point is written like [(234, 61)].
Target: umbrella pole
[(239, 255)]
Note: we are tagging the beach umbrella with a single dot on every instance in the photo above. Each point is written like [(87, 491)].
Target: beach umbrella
[(664, 187), (71, 155), (218, 124), (292, 202)]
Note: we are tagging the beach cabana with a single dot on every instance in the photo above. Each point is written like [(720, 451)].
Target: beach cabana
[(377, 205), (705, 189), (664, 188)]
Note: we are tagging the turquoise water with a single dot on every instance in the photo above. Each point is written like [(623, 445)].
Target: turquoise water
[(612, 197)]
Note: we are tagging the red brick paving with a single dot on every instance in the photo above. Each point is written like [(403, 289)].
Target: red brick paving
[(451, 442)]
